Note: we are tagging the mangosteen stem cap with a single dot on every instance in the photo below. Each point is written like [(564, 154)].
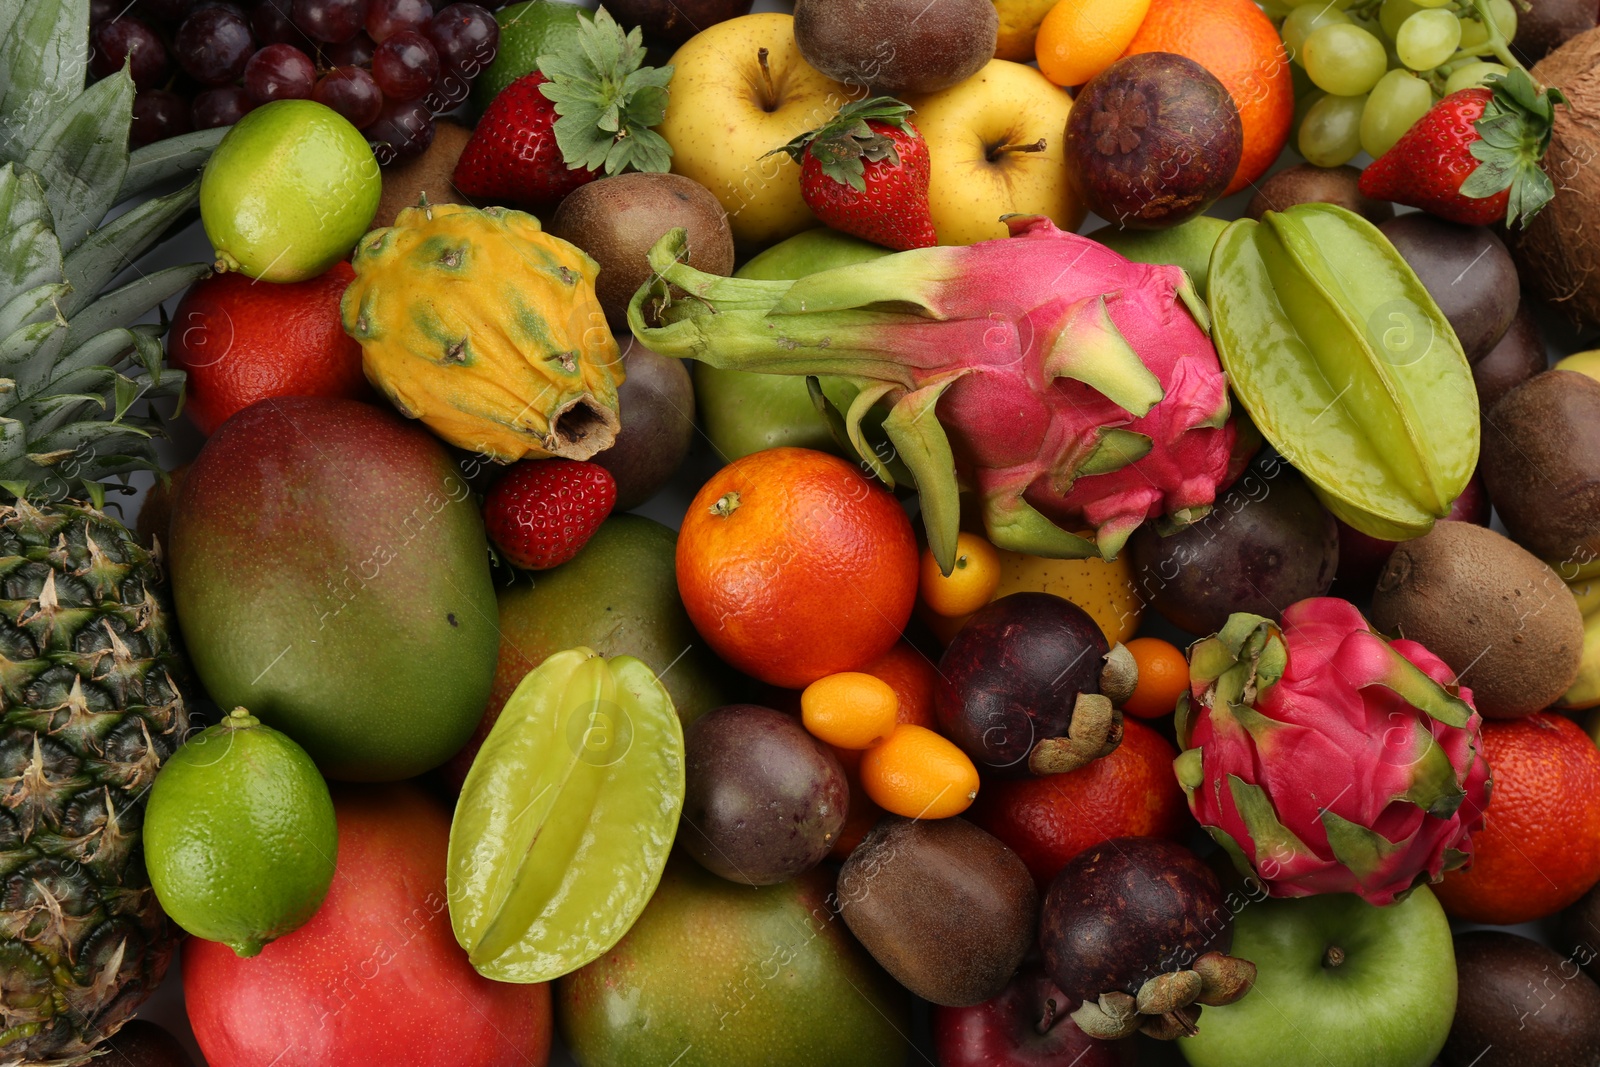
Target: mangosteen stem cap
[(1095, 731)]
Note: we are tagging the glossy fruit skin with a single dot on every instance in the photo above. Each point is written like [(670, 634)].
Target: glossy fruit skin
[(1536, 854), (1103, 587), (1010, 677), (312, 594), (1123, 912), (1003, 1031), (913, 677), (1080, 39), (1268, 544), (892, 209), (541, 512), (1516, 357), (1389, 1002), (1152, 141), (1428, 165), (967, 588), (675, 21), (656, 405), (692, 983), (918, 773), (617, 597), (376, 978), (144, 1044), (947, 909), (1467, 271), (513, 159), (1520, 1004), (764, 800), (1049, 820), (1236, 42), (896, 46), (1163, 678), (794, 566), (1362, 558), (240, 342)]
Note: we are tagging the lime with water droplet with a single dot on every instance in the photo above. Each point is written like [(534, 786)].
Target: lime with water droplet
[(289, 191), (239, 835)]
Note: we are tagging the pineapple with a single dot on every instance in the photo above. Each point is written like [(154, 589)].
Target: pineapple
[(89, 702)]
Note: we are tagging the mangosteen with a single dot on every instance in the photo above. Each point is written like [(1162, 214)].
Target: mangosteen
[(1152, 140), (1137, 931), (1030, 684)]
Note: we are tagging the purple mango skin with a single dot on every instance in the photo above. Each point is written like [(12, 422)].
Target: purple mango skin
[(1011, 677), (331, 575)]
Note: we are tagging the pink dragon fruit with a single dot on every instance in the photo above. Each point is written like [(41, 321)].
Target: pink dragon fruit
[(1327, 759), (1069, 387)]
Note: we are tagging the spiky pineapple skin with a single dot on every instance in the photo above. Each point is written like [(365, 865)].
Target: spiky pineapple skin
[(90, 706)]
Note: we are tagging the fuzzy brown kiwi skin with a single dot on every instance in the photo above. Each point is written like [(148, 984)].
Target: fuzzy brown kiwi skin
[(1516, 357), (617, 219), (945, 907), (1541, 465), (897, 46), (1495, 613), (404, 185), (1305, 183)]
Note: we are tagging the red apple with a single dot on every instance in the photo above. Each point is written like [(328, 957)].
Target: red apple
[(376, 978), (1025, 1026), (1362, 558)]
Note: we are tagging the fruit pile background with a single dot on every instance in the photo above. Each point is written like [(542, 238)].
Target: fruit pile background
[(1332, 113)]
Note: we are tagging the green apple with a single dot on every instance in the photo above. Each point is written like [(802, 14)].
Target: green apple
[(740, 89), (1339, 983), (745, 411), (979, 133), (1187, 245)]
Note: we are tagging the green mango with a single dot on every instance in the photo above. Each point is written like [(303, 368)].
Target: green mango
[(744, 411), (715, 974), (1187, 245), (331, 576)]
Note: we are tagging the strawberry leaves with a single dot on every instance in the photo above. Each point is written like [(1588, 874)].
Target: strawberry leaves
[(1514, 132), (846, 143), (606, 100)]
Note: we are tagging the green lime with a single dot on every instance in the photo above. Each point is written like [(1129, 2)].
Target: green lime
[(239, 835), (527, 31), (288, 192)]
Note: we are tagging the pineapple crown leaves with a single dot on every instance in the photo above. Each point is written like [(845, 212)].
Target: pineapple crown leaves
[(606, 100), (846, 143)]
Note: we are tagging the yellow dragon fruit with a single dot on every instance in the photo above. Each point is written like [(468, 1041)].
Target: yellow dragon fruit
[(488, 330), (1069, 387)]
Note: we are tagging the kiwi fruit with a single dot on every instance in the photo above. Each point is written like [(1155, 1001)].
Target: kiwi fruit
[(617, 219), (946, 908), (656, 404), (1520, 1004), (1516, 357), (1309, 184), (1545, 25), (897, 47), (1541, 464), (429, 173), (1498, 615)]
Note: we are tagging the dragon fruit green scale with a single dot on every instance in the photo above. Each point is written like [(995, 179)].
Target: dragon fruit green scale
[(1070, 388), (1327, 759)]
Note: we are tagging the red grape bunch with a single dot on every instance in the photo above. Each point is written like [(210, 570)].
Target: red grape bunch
[(388, 66)]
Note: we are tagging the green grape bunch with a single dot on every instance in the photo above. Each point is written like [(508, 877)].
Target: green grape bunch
[(1366, 70)]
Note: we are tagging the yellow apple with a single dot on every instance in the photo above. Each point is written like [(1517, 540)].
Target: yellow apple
[(979, 135), (1019, 27), (1582, 362), (728, 108)]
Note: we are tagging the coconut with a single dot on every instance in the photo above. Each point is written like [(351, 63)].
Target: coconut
[(1558, 256)]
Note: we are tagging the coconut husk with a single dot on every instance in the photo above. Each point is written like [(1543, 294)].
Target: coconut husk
[(1558, 255)]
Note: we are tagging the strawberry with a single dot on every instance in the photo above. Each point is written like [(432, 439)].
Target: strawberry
[(1474, 157), (542, 511), (866, 172), (583, 111)]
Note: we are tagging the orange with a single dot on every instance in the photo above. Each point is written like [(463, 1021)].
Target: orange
[(862, 815), (969, 585), (1539, 849), (792, 565), (913, 678), (240, 340), (1163, 677), (1049, 820), (1080, 38), (1235, 41), (919, 774), (849, 709)]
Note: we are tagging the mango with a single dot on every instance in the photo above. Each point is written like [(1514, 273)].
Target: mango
[(330, 573)]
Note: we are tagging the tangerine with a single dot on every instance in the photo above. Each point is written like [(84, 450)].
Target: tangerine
[(1049, 820), (912, 676), (1237, 43), (240, 341), (793, 566), (969, 585), (1539, 849)]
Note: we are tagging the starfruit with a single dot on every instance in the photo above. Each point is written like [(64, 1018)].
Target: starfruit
[(566, 818), (1347, 366), (488, 330)]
